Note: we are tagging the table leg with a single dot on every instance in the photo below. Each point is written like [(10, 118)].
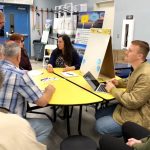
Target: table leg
[(54, 113), (79, 123), (68, 121)]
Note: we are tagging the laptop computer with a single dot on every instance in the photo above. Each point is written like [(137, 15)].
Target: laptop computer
[(100, 87)]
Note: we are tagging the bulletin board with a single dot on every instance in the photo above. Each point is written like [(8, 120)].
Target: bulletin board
[(98, 58), (87, 20), (82, 36)]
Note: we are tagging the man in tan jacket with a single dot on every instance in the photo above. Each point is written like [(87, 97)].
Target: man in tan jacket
[(133, 103)]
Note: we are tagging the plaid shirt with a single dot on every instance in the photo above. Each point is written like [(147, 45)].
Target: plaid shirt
[(17, 89)]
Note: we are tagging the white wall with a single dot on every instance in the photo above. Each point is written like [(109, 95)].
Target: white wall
[(90, 3), (108, 7), (140, 11)]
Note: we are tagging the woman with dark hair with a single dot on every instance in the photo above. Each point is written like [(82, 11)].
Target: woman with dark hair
[(64, 56)]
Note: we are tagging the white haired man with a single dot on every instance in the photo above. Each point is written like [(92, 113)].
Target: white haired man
[(16, 130), (18, 89)]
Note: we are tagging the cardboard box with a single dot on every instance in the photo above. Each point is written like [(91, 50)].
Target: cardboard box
[(118, 56)]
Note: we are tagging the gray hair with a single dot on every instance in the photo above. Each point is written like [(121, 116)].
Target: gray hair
[(11, 49), (1, 49)]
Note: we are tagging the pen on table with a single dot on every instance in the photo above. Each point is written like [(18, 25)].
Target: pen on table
[(44, 79)]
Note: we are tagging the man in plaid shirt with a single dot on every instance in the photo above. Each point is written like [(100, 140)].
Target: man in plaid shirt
[(18, 89)]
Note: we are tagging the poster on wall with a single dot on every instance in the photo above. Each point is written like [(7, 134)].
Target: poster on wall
[(90, 19)]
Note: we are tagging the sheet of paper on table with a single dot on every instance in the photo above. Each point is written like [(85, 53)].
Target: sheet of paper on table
[(69, 74), (35, 73)]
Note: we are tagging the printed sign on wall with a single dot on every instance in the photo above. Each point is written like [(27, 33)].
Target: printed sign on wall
[(91, 19)]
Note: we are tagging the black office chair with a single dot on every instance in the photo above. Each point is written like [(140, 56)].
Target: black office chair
[(78, 142)]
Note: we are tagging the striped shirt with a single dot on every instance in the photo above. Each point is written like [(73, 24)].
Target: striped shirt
[(17, 89)]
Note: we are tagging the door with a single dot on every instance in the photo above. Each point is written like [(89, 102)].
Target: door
[(17, 21)]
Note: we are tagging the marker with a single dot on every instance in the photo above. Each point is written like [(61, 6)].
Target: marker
[(69, 73), (44, 79)]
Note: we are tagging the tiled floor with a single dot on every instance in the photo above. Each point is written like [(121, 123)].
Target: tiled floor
[(59, 130), (36, 64)]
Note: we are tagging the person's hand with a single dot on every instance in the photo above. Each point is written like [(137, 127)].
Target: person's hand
[(133, 141), (50, 68), (46, 97), (109, 86), (50, 88), (67, 68), (114, 81)]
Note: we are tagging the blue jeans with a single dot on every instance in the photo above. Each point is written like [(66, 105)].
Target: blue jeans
[(105, 124), (42, 128)]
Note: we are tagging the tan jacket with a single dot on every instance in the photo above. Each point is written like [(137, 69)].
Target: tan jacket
[(134, 103), (17, 134), (145, 145)]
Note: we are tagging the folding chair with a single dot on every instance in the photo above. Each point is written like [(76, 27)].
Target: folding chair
[(47, 53)]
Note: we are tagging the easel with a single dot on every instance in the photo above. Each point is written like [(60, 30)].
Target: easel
[(98, 58)]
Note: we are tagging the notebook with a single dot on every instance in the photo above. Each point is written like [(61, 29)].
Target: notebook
[(100, 87)]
